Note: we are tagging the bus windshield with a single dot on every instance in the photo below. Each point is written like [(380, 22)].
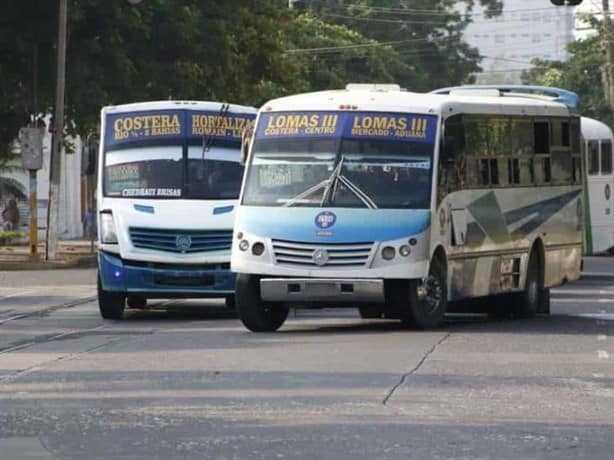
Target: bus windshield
[(161, 172), (339, 172)]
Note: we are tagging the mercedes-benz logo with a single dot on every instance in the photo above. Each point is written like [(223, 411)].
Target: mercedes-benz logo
[(183, 242), (320, 257)]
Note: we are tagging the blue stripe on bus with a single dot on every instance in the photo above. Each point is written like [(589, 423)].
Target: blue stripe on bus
[(350, 225), (144, 208), (222, 210)]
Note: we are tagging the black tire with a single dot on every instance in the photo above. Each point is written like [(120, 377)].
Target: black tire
[(544, 302), (136, 301), (230, 302), (256, 315), (111, 304), (428, 312), (529, 300), (370, 312)]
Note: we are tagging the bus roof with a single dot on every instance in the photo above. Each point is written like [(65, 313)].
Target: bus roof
[(392, 99), (593, 129), (186, 105)]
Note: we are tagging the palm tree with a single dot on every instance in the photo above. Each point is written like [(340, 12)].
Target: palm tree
[(13, 188)]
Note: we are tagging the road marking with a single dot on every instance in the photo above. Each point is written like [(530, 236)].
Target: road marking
[(601, 337), (600, 317), (598, 375), (602, 354), (583, 300)]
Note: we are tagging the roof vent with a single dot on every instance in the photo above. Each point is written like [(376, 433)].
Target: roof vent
[(373, 87)]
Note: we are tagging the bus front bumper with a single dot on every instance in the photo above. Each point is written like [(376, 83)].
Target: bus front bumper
[(164, 280), (321, 289)]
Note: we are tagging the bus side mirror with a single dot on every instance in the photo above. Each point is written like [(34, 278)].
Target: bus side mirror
[(246, 141)]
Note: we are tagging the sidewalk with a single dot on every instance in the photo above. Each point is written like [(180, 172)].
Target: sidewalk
[(71, 254)]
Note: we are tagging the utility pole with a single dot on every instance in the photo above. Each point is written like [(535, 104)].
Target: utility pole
[(55, 166), (607, 70)]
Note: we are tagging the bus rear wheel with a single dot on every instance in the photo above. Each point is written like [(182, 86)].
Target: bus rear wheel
[(427, 309), (534, 299), (111, 304), (256, 315)]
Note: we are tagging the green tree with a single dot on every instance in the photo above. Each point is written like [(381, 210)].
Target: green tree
[(160, 49), (331, 55), (581, 73), (426, 34)]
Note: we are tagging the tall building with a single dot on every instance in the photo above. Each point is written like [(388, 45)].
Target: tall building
[(526, 30)]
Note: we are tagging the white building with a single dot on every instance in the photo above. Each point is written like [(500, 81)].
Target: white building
[(526, 30), (70, 192)]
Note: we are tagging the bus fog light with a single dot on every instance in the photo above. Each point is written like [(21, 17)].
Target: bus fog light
[(413, 241), (257, 249), (244, 245), (404, 250), (388, 253)]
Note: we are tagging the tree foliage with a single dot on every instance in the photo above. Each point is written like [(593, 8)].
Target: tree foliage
[(581, 73), (242, 51)]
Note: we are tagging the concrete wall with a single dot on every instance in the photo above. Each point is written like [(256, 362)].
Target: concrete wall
[(70, 191)]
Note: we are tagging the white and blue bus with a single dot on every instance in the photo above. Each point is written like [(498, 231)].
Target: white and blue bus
[(397, 203), (597, 142), (170, 175)]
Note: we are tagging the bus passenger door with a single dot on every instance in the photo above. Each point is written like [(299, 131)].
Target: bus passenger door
[(459, 226)]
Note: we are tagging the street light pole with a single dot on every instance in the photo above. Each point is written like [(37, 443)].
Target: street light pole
[(55, 166)]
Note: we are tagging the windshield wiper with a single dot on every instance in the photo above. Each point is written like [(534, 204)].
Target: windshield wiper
[(362, 196), (331, 188), (331, 181), (209, 139), (328, 183)]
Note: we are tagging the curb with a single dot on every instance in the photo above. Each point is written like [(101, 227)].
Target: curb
[(89, 261)]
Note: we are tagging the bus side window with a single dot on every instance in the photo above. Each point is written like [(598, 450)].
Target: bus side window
[(593, 158), (606, 157), (542, 137), (452, 163)]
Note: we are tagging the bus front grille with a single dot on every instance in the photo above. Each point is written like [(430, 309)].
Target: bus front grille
[(322, 254), (180, 241)]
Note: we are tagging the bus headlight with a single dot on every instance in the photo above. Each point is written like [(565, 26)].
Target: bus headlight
[(244, 245), (388, 253), (404, 250), (258, 249), (107, 234)]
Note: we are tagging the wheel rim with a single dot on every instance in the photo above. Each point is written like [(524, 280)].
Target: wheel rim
[(433, 294)]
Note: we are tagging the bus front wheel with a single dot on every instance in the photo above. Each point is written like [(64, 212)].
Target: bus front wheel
[(256, 315), (428, 301), (111, 304)]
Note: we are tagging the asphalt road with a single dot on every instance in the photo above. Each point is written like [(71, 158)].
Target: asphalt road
[(185, 380)]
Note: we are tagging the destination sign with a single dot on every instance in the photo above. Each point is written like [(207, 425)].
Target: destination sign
[(174, 125), (352, 125)]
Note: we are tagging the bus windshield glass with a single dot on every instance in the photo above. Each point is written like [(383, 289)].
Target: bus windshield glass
[(158, 172), (144, 172), (341, 159), (340, 173)]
